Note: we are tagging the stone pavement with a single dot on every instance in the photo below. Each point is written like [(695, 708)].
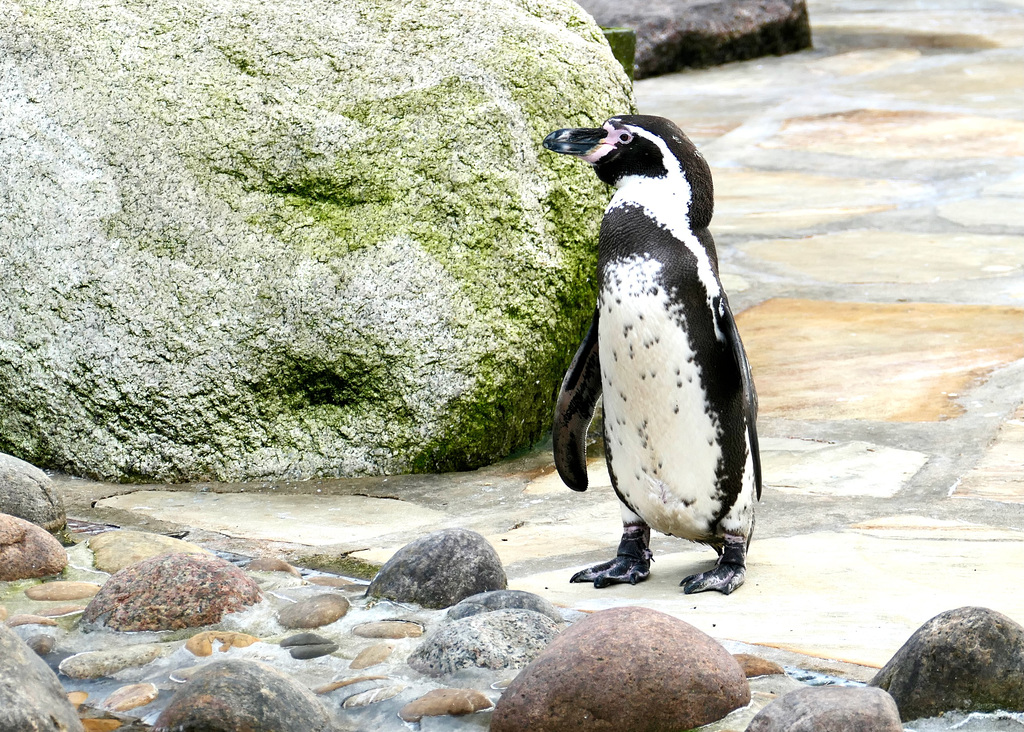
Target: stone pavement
[(870, 224)]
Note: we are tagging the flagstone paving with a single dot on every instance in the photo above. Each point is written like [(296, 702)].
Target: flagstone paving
[(870, 224)]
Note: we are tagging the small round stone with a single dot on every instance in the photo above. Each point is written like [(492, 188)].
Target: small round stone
[(201, 644), (62, 591), (372, 696), (440, 702), (272, 564), (28, 619), (304, 646), (314, 612), (95, 664), (754, 666), (377, 653), (389, 629), (130, 697)]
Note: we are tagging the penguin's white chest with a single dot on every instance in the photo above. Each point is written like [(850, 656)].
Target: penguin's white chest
[(661, 434)]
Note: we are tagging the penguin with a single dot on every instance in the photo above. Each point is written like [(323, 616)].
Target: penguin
[(664, 357)]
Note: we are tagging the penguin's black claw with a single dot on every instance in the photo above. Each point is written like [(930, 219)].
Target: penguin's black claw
[(631, 564), (724, 578), (616, 571)]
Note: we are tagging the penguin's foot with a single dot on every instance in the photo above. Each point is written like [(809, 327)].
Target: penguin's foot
[(631, 564), (728, 574)]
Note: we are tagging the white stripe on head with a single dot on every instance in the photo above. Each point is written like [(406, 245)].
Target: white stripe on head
[(666, 201)]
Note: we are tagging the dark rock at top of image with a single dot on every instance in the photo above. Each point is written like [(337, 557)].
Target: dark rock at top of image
[(969, 659), (226, 696), (440, 569), (171, 592), (676, 34), (596, 674), (832, 708), (31, 697)]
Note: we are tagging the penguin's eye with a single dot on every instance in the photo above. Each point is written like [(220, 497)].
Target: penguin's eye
[(625, 137)]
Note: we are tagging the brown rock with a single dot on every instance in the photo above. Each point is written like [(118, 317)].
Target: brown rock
[(371, 656), (599, 671), (172, 592), (26, 619), (676, 34), (3, 613), (337, 582), (130, 697), (335, 685), (440, 702), (28, 551), (201, 644), (115, 550), (61, 591), (314, 612), (56, 612), (832, 708), (756, 666), (271, 564), (389, 629)]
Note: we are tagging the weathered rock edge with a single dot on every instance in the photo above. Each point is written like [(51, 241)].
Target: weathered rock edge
[(677, 34), (292, 239)]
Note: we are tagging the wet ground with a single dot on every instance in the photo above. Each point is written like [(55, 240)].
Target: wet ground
[(870, 224)]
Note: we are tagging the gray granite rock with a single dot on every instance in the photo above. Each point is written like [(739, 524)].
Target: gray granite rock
[(832, 708), (294, 239), (31, 697), (967, 659), (440, 569), (237, 695), (486, 602), (495, 640), (28, 493), (677, 34)]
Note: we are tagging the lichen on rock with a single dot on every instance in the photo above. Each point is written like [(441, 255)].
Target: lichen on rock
[(293, 239)]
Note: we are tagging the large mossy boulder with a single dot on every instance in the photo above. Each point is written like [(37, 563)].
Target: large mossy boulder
[(295, 238)]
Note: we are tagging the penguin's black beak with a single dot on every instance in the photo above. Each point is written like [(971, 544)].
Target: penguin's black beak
[(578, 141)]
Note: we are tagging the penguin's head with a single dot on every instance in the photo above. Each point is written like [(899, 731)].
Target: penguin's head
[(630, 145)]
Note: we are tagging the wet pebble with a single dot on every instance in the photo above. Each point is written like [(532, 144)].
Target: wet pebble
[(372, 696), (336, 582), (201, 644), (130, 697), (440, 702), (115, 550), (314, 612), (172, 592), (96, 664), (371, 656), (237, 695), (41, 643), (28, 551), (28, 619), (754, 666), (62, 591), (440, 569), (271, 564), (305, 646), (389, 629)]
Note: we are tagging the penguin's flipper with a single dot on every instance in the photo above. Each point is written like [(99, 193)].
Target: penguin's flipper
[(632, 562), (732, 335), (728, 573), (577, 401)]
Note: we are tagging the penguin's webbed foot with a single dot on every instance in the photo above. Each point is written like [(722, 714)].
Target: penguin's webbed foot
[(631, 564), (728, 573)]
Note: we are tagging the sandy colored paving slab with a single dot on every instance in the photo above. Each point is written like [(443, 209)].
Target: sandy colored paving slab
[(808, 467), (756, 201), (848, 596), (999, 476), (927, 29), (302, 519), (985, 211), (982, 85), (901, 135), (898, 362), (925, 527), (895, 256)]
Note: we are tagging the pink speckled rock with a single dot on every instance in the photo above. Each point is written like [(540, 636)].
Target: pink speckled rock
[(171, 592)]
